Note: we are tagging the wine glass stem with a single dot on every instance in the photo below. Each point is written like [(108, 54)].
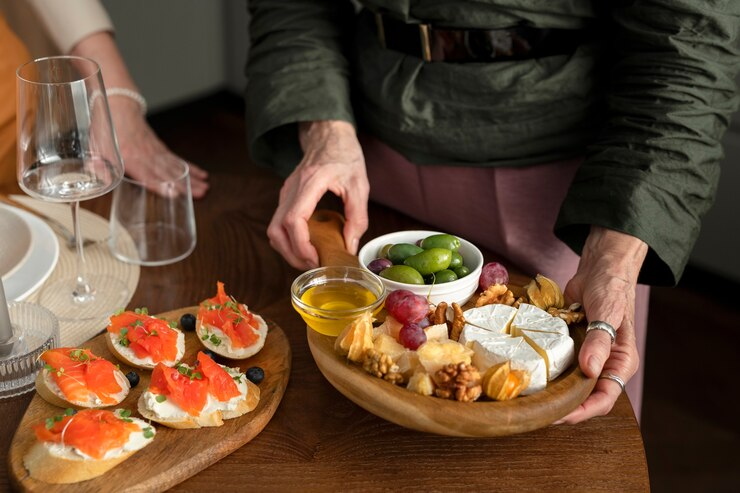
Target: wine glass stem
[(83, 293)]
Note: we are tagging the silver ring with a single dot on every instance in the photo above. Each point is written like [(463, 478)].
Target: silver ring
[(599, 325), (614, 378)]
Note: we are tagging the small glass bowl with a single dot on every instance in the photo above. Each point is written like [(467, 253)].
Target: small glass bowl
[(339, 295), (38, 331)]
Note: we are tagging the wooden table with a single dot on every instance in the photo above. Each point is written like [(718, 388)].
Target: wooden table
[(320, 441)]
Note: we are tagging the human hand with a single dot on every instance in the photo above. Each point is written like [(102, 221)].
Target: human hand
[(144, 155), (332, 161), (605, 284)]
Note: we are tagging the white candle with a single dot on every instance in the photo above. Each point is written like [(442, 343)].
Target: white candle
[(6, 330)]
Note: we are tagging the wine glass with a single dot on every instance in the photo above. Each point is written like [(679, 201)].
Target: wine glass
[(67, 152)]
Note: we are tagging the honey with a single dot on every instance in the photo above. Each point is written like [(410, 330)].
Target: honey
[(335, 296)]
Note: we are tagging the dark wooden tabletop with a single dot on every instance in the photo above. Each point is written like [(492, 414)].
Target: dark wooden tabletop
[(320, 441)]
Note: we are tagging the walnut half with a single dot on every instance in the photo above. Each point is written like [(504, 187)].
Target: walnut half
[(460, 382)]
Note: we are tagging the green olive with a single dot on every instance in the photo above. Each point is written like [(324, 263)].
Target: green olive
[(445, 275), (442, 240), (456, 260), (383, 253), (402, 273), (429, 261), (461, 271), (401, 251)]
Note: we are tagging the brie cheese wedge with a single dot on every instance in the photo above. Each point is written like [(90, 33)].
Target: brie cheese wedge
[(556, 349), (495, 318), (515, 349)]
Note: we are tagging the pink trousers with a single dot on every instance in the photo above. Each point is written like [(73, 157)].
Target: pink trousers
[(510, 211)]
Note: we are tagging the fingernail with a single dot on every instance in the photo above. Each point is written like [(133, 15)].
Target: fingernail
[(559, 422), (594, 365), (353, 245)]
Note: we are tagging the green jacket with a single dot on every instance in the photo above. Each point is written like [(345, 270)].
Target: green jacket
[(646, 101)]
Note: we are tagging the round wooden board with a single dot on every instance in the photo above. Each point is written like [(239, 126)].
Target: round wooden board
[(175, 454), (446, 417)]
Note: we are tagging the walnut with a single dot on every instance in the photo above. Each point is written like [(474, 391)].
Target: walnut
[(381, 365), (518, 302), (496, 293), (572, 315), (439, 315), (458, 322), (460, 382)]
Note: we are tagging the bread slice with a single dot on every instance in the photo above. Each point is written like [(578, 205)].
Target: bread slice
[(44, 464), (224, 347), (213, 418), (127, 356), (51, 393)]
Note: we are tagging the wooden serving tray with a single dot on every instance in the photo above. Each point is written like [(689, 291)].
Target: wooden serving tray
[(447, 417), (175, 455), (433, 414)]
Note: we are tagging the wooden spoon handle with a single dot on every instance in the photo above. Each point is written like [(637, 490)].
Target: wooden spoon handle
[(325, 228)]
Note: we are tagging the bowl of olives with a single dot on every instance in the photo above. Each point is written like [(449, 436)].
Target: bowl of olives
[(439, 266)]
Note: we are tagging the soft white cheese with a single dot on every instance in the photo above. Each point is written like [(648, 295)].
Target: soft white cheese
[(527, 314), (147, 361), (471, 333), (557, 350), (494, 351), (226, 343), (495, 317), (136, 441)]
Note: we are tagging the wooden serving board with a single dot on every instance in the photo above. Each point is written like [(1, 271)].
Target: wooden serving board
[(174, 455), (447, 417), (432, 414)]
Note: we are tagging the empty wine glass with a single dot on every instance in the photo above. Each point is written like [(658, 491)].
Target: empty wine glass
[(67, 152)]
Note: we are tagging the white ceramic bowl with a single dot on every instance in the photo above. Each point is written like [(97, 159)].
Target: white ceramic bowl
[(458, 291)]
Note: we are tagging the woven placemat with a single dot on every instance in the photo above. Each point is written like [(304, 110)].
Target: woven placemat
[(98, 260)]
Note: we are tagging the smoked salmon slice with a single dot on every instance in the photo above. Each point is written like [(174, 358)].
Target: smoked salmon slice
[(232, 318), (92, 431), (220, 384), (78, 372), (145, 335), (187, 388)]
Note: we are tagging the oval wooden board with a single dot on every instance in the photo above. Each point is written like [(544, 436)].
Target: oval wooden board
[(446, 417), (175, 455)]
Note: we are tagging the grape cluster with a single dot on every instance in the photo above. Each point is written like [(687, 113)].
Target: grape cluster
[(411, 310)]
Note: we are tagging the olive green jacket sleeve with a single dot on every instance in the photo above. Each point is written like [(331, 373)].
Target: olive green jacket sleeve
[(654, 170), (296, 71)]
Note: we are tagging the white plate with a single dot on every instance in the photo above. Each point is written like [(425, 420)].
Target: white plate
[(39, 263), (15, 241)]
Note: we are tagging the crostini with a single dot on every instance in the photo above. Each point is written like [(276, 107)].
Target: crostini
[(228, 328), (194, 397), (74, 447), (142, 341), (76, 377)]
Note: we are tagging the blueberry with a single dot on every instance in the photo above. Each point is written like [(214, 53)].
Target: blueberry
[(187, 322), (210, 354), (133, 378), (255, 374)]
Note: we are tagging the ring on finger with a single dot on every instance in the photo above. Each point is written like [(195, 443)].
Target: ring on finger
[(599, 325), (614, 378)]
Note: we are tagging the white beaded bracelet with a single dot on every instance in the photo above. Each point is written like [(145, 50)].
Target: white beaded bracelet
[(129, 93)]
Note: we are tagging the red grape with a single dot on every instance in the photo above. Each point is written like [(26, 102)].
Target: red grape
[(424, 323), (493, 273), (406, 307), (412, 336)]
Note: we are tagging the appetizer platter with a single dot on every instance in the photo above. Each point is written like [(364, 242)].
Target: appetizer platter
[(116, 411), (502, 363)]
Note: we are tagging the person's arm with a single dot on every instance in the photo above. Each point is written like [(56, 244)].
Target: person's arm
[(144, 155), (635, 205), (297, 72)]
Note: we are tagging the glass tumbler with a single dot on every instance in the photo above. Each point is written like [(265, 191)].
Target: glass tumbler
[(152, 221)]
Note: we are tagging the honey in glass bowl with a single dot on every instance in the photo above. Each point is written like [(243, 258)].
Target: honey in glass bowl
[(329, 298)]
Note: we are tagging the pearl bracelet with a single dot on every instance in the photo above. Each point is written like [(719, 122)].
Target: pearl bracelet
[(129, 93)]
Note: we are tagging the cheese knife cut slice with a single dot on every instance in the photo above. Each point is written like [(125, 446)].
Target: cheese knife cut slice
[(495, 318), (515, 349), (556, 349)]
